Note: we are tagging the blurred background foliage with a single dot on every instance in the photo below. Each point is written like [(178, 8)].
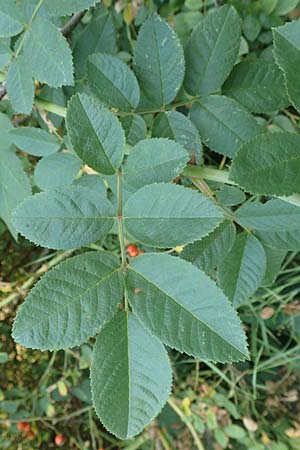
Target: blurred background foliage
[(45, 400)]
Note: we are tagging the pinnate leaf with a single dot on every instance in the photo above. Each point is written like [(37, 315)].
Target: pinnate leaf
[(184, 308), (56, 170), (212, 51), (65, 218), (50, 58), (175, 125), (154, 160), (223, 123), (257, 85), (287, 56), (135, 128), (67, 7), (167, 215), (268, 164), (10, 20), (14, 186), (71, 302), (129, 388), (95, 133), (34, 141), (212, 249), (111, 80), (20, 86), (243, 269), (159, 62)]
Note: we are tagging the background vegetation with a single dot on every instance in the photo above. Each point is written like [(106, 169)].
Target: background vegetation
[(45, 398)]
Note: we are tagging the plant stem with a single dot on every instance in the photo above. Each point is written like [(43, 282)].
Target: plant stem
[(207, 173), (182, 416), (51, 107), (121, 229), (34, 14)]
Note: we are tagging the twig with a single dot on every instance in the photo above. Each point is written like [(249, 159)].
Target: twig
[(72, 24), (192, 430), (2, 90)]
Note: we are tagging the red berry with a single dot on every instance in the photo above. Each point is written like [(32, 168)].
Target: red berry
[(23, 426), (59, 440), (132, 250)]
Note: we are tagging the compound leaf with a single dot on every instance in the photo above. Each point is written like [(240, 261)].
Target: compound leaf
[(64, 218), (212, 249), (95, 133), (242, 270), (129, 389), (34, 141), (167, 215), (257, 85), (159, 62), (287, 56), (111, 80), (71, 302), (223, 124), (212, 50), (56, 170), (184, 308), (20, 86), (10, 20), (268, 164), (67, 7), (154, 160), (50, 58), (175, 125), (14, 186), (135, 128)]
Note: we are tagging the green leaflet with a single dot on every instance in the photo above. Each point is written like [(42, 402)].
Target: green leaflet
[(34, 141), (67, 7), (275, 258), (56, 170), (230, 195), (128, 389), (281, 240), (276, 222), (218, 34), (158, 62), (175, 125), (95, 133), (71, 302), (287, 56), (135, 128), (243, 269), (5, 127), (10, 19), (93, 182), (257, 85), (212, 249), (268, 164), (20, 86), (5, 52), (269, 5), (251, 27), (154, 160), (99, 35), (14, 186), (285, 6), (167, 215), (275, 215), (64, 218), (184, 308), (111, 80), (50, 59), (223, 124)]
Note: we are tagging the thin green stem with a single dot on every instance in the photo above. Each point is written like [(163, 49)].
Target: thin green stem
[(34, 14), (207, 173)]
